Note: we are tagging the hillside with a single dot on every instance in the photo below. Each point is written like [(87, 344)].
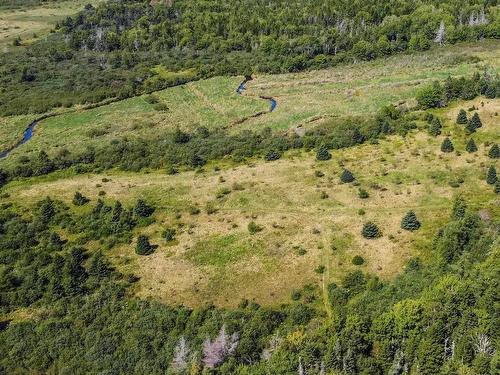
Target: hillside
[(244, 187)]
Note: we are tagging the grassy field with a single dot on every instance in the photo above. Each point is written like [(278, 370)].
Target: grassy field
[(215, 259), (304, 99), (32, 22)]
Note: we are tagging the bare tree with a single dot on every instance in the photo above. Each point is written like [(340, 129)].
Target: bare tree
[(274, 343), (440, 34), (215, 352), (301, 370), (181, 354), (483, 345)]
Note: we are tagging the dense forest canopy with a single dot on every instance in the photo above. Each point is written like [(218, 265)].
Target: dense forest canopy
[(111, 49)]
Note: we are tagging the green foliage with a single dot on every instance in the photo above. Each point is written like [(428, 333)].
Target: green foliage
[(143, 247), (346, 176), (323, 153), (358, 260), (410, 221), (491, 175), (431, 96), (370, 230), (362, 193), (462, 117), (447, 146), (272, 156), (435, 127), (169, 234), (459, 208), (254, 228), (474, 123), (494, 152), (142, 209), (471, 146), (79, 199)]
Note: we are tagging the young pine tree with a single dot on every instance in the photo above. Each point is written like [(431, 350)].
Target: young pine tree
[(410, 221), (459, 208), (494, 152), (474, 123), (497, 187), (447, 146), (435, 127), (471, 146), (462, 117), (323, 153), (370, 230), (79, 199), (143, 246), (142, 209), (346, 176), (491, 177)]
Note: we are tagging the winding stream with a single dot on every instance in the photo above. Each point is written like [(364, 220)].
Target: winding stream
[(28, 133)]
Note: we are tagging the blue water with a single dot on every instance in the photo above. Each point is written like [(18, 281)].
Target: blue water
[(28, 133), (242, 88)]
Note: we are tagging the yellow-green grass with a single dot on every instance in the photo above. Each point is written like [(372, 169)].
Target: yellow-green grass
[(303, 99), (211, 103), (215, 259), (365, 87), (32, 22)]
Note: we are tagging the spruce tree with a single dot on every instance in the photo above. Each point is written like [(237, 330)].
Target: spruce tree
[(143, 246), (491, 177), (370, 230), (142, 209), (462, 117), (435, 127), (497, 187), (471, 146), (79, 199), (323, 153), (459, 208), (410, 221), (494, 152), (474, 123), (447, 146), (346, 176)]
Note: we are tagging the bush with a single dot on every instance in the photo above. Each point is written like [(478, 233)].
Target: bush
[(431, 96), (320, 269), (410, 221), (363, 194), (323, 153), (254, 228), (169, 234), (79, 199), (462, 117), (370, 230), (346, 176), (447, 146), (272, 155), (142, 209), (143, 246), (358, 260)]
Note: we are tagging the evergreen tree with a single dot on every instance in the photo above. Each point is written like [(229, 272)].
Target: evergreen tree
[(346, 176), (142, 209), (47, 210), (435, 127), (410, 221), (3, 177), (462, 117), (74, 274), (491, 177), (494, 152), (79, 199), (323, 153), (474, 123), (117, 212), (447, 146), (471, 146), (497, 187), (143, 246), (370, 230), (459, 208), (99, 267)]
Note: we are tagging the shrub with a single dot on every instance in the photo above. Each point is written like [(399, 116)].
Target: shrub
[(471, 146), (272, 155), (431, 96), (143, 246), (494, 152), (358, 260), (363, 194), (346, 176), (169, 234), (254, 228), (462, 117), (491, 176), (142, 209), (79, 199), (370, 230), (361, 212), (447, 146), (410, 221), (320, 269), (323, 153)]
